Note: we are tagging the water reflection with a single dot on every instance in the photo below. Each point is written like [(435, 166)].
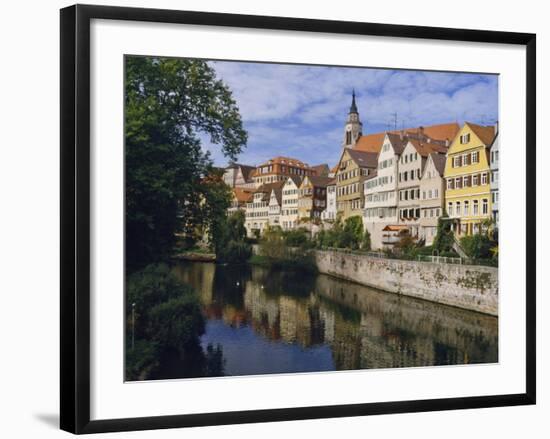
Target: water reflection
[(263, 321)]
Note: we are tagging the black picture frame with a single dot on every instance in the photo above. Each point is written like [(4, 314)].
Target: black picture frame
[(75, 217)]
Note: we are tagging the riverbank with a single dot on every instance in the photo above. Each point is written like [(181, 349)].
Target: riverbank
[(469, 287), (195, 256)]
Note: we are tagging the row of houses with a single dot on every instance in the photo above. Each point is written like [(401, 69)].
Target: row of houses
[(396, 180)]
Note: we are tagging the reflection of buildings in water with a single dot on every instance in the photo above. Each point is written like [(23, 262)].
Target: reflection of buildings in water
[(396, 331), (294, 320), (263, 310), (200, 276), (327, 316), (364, 328)]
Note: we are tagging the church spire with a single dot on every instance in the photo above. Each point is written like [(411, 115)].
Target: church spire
[(353, 107), (354, 128)]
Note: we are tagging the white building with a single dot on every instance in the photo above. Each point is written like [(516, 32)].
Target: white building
[(275, 204), (237, 175), (432, 196), (329, 214), (257, 210), (411, 166), (289, 206), (381, 190)]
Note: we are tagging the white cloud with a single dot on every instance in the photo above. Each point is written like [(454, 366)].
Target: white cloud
[(301, 110)]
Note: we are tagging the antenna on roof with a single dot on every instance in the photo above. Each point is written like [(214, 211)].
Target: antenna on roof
[(394, 121)]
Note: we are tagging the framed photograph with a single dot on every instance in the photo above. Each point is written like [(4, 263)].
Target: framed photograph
[(268, 218)]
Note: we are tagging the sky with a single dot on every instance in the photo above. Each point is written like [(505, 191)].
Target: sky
[(299, 111)]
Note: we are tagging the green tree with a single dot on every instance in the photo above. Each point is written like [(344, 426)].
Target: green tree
[(231, 244), (444, 238), (272, 243), (161, 314), (352, 233), (168, 104), (366, 244), (297, 237)]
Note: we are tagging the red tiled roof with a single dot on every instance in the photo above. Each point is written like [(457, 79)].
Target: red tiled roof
[(373, 142), (485, 133), (243, 195), (321, 170)]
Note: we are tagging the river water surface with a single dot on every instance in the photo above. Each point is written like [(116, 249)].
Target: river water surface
[(262, 321)]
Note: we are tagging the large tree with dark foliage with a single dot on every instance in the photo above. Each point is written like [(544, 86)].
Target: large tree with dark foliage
[(170, 103)]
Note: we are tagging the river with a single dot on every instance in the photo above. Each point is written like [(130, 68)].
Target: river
[(261, 321)]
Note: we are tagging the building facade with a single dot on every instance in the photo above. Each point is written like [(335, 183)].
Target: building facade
[(494, 177), (275, 203), (289, 203), (237, 175), (411, 166), (467, 178), (432, 196), (353, 168), (312, 198), (329, 214), (239, 198), (279, 169), (257, 210), (380, 190)]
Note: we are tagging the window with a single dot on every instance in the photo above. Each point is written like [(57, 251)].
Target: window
[(466, 208), (475, 157), (458, 207), (450, 184), (475, 180), (458, 183), (450, 209), (466, 181), (436, 193), (485, 207), (484, 178), (465, 138), (476, 208)]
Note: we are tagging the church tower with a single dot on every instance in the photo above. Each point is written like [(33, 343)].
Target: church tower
[(354, 127)]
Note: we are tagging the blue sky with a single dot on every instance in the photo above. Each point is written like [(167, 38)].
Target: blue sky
[(300, 111)]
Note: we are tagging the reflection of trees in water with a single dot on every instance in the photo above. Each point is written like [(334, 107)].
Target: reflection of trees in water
[(363, 327), (194, 362)]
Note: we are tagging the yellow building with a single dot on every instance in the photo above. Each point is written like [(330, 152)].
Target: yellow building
[(467, 178), (352, 170)]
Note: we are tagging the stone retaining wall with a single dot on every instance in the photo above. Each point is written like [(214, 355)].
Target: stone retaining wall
[(464, 286)]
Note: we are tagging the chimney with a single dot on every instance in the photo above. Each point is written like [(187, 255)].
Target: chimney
[(401, 134)]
